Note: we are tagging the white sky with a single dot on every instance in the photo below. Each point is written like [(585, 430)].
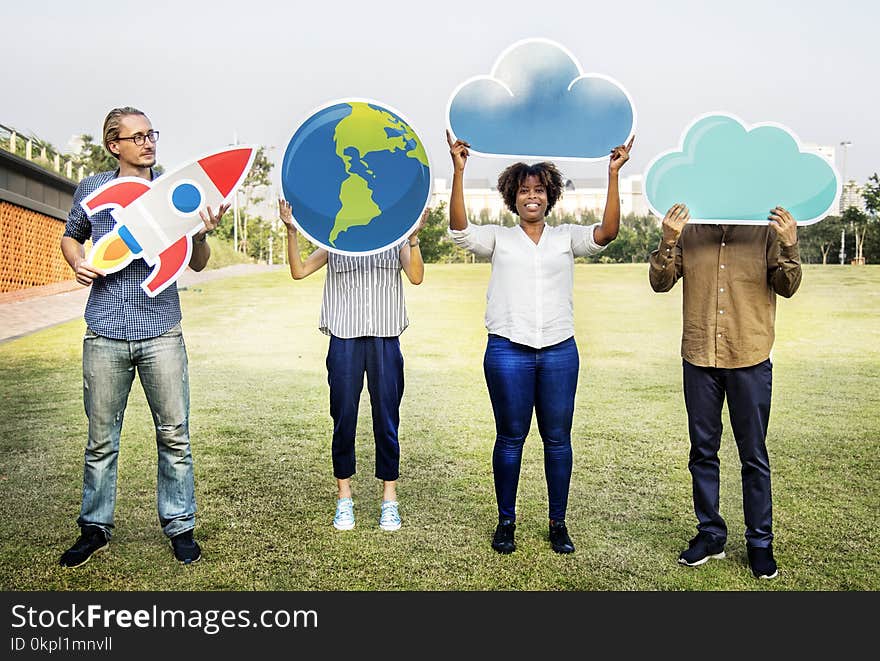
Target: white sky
[(204, 71)]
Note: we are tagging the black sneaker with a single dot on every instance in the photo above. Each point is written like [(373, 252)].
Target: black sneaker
[(701, 548), (559, 539), (91, 540), (503, 539), (762, 563), (186, 549)]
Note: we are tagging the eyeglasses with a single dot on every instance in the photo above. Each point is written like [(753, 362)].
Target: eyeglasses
[(140, 138)]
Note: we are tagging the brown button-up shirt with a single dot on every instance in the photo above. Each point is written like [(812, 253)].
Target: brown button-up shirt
[(732, 274)]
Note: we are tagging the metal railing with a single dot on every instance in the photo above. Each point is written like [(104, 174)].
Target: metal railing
[(37, 151)]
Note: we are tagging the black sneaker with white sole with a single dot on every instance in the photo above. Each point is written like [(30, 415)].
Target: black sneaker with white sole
[(91, 540), (702, 548)]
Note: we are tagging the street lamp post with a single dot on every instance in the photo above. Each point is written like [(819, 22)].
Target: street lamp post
[(844, 144)]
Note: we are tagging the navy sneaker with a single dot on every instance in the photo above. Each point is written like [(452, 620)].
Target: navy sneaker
[(559, 539), (186, 549), (702, 548), (91, 540), (502, 541), (762, 563)]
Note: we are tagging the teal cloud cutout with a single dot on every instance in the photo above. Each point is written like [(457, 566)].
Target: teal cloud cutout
[(728, 172)]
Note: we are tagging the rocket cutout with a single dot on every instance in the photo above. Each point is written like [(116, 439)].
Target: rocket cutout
[(157, 219)]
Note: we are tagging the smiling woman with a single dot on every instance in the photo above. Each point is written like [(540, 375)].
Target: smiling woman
[(531, 191), (531, 362)]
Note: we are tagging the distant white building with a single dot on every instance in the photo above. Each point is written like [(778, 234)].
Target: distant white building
[(581, 195), (74, 145), (851, 196)]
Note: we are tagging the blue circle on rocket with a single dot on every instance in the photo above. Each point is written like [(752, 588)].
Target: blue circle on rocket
[(186, 198)]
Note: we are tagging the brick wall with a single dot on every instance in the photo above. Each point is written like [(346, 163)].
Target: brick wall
[(30, 249)]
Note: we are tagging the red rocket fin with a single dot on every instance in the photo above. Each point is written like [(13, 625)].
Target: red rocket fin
[(120, 193), (227, 168), (169, 265)]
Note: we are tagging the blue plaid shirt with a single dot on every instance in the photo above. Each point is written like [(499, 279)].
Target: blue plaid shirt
[(118, 307)]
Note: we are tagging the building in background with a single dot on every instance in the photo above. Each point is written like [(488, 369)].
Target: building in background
[(851, 196), (34, 203)]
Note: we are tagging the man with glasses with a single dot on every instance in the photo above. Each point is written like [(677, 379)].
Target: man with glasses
[(128, 331)]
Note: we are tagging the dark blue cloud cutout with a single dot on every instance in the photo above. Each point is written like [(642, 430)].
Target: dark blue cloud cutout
[(537, 103)]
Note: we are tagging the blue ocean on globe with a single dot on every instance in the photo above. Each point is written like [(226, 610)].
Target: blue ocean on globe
[(356, 176)]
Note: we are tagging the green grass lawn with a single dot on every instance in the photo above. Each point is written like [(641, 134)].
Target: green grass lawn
[(261, 440)]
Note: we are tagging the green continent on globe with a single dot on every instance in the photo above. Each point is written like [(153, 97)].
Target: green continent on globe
[(364, 130)]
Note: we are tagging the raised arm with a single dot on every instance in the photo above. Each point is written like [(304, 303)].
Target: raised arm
[(783, 256), (607, 231), (411, 254), (201, 251), (665, 262), (457, 213), (298, 268)]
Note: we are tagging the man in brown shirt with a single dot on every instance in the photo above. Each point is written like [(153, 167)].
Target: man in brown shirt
[(732, 274)]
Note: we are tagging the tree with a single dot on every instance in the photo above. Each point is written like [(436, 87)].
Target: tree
[(621, 249), (262, 239), (42, 151), (871, 195), (558, 217), (93, 157), (433, 241), (258, 176), (589, 217), (637, 238), (858, 221), (819, 240), (872, 243)]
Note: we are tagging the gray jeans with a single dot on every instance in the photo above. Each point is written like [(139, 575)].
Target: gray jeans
[(108, 372)]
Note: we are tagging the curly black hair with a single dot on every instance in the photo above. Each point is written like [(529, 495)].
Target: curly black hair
[(512, 177)]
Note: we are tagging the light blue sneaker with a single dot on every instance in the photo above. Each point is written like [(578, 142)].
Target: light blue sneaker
[(389, 519), (344, 519)]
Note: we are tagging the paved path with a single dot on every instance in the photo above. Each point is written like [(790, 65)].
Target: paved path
[(28, 311)]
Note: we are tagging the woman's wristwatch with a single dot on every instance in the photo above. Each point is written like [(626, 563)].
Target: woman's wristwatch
[(413, 245)]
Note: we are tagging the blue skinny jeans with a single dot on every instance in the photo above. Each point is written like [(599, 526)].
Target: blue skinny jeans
[(521, 379)]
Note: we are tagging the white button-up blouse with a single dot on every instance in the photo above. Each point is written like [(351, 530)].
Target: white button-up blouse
[(530, 299)]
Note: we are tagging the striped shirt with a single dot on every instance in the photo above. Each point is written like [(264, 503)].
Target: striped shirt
[(118, 307), (363, 296), (530, 299)]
